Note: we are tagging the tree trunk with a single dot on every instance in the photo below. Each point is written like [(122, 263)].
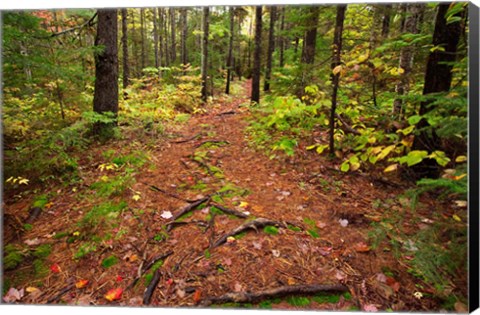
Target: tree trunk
[(230, 50), (387, 11), (438, 78), (134, 46), (155, 37), (271, 48), (172, 34), (282, 39), (126, 70), (206, 13), (105, 98), (184, 36), (166, 49), (337, 51), (257, 54), (308, 54), (406, 57), (249, 61), (142, 36)]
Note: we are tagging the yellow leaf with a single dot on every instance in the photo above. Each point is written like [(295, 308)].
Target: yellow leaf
[(456, 218), (109, 167), (104, 178), (23, 181), (461, 203), (10, 179), (362, 58), (354, 166), (81, 284), (243, 204), (337, 70), (459, 177), (461, 158), (391, 168), (31, 289), (136, 197), (76, 233)]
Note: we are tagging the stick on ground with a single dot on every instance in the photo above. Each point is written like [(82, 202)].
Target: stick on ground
[(244, 297), (188, 208), (230, 211), (257, 223), (147, 296)]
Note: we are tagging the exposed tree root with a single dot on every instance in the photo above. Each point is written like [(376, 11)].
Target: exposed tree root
[(257, 223), (230, 211), (204, 165), (230, 112), (244, 297), (188, 139), (61, 293), (210, 141), (155, 188), (188, 208), (149, 265), (147, 296)]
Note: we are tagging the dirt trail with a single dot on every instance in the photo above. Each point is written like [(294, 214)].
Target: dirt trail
[(307, 195)]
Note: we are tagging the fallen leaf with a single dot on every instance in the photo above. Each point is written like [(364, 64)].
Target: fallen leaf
[(136, 197), (55, 268), (418, 295), (166, 215), (197, 296), (456, 218), (362, 247), (243, 204), (119, 279), (381, 277), (461, 203), (321, 224), (231, 240), (324, 251), (180, 293), (370, 308), (169, 281), (13, 295), (227, 261), (114, 294), (257, 245), (81, 284), (460, 307), (276, 253), (32, 242), (238, 287), (343, 222), (31, 289), (339, 275)]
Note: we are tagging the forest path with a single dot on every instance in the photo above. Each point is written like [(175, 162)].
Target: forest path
[(312, 224)]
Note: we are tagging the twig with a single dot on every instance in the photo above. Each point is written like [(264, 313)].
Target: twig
[(257, 223), (147, 296), (230, 211), (205, 166), (61, 293), (230, 112), (244, 297), (88, 23), (145, 268)]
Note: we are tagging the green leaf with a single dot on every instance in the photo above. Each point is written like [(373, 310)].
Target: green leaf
[(313, 233), (407, 130), (385, 152), (269, 229), (345, 166), (109, 261), (415, 119), (440, 157), (413, 157)]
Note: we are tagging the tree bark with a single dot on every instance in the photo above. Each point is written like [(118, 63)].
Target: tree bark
[(155, 37), (387, 11), (166, 48), (282, 39), (206, 17), (337, 51), (230, 51), (105, 98), (142, 36), (184, 36), (257, 54), (271, 48), (126, 70), (438, 78), (172, 34), (406, 57), (308, 53)]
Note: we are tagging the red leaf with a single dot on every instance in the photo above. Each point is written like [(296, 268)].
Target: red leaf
[(197, 296), (170, 281), (362, 247), (119, 279), (114, 294), (55, 268)]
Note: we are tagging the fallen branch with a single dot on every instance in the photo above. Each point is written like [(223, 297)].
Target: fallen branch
[(230, 211), (188, 139), (211, 141), (257, 223), (147, 296), (244, 297), (205, 166), (230, 112), (61, 293), (346, 126), (188, 208)]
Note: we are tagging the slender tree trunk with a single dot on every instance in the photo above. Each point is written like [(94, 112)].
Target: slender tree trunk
[(282, 39), (105, 98), (257, 56), (206, 18), (438, 78), (135, 65), (166, 48), (160, 40), (126, 69), (271, 48), (308, 51), (155, 37), (337, 51), (172, 34), (142, 36), (386, 20), (249, 62), (184, 36), (230, 50), (406, 57)]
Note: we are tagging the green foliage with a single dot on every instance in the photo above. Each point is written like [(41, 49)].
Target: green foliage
[(326, 298), (84, 250), (298, 301), (40, 269), (12, 257), (42, 251), (103, 213), (269, 229), (40, 201), (109, 261)]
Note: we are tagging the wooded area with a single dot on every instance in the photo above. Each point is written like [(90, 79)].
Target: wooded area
[(285, 157)]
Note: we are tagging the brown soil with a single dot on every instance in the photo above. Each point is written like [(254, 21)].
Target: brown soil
[(307, 191)]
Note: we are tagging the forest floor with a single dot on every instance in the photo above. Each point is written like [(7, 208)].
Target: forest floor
[(307, 227)]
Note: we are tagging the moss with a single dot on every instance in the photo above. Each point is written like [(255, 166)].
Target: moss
[(42, 251), (12, 260), (39, 268)]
